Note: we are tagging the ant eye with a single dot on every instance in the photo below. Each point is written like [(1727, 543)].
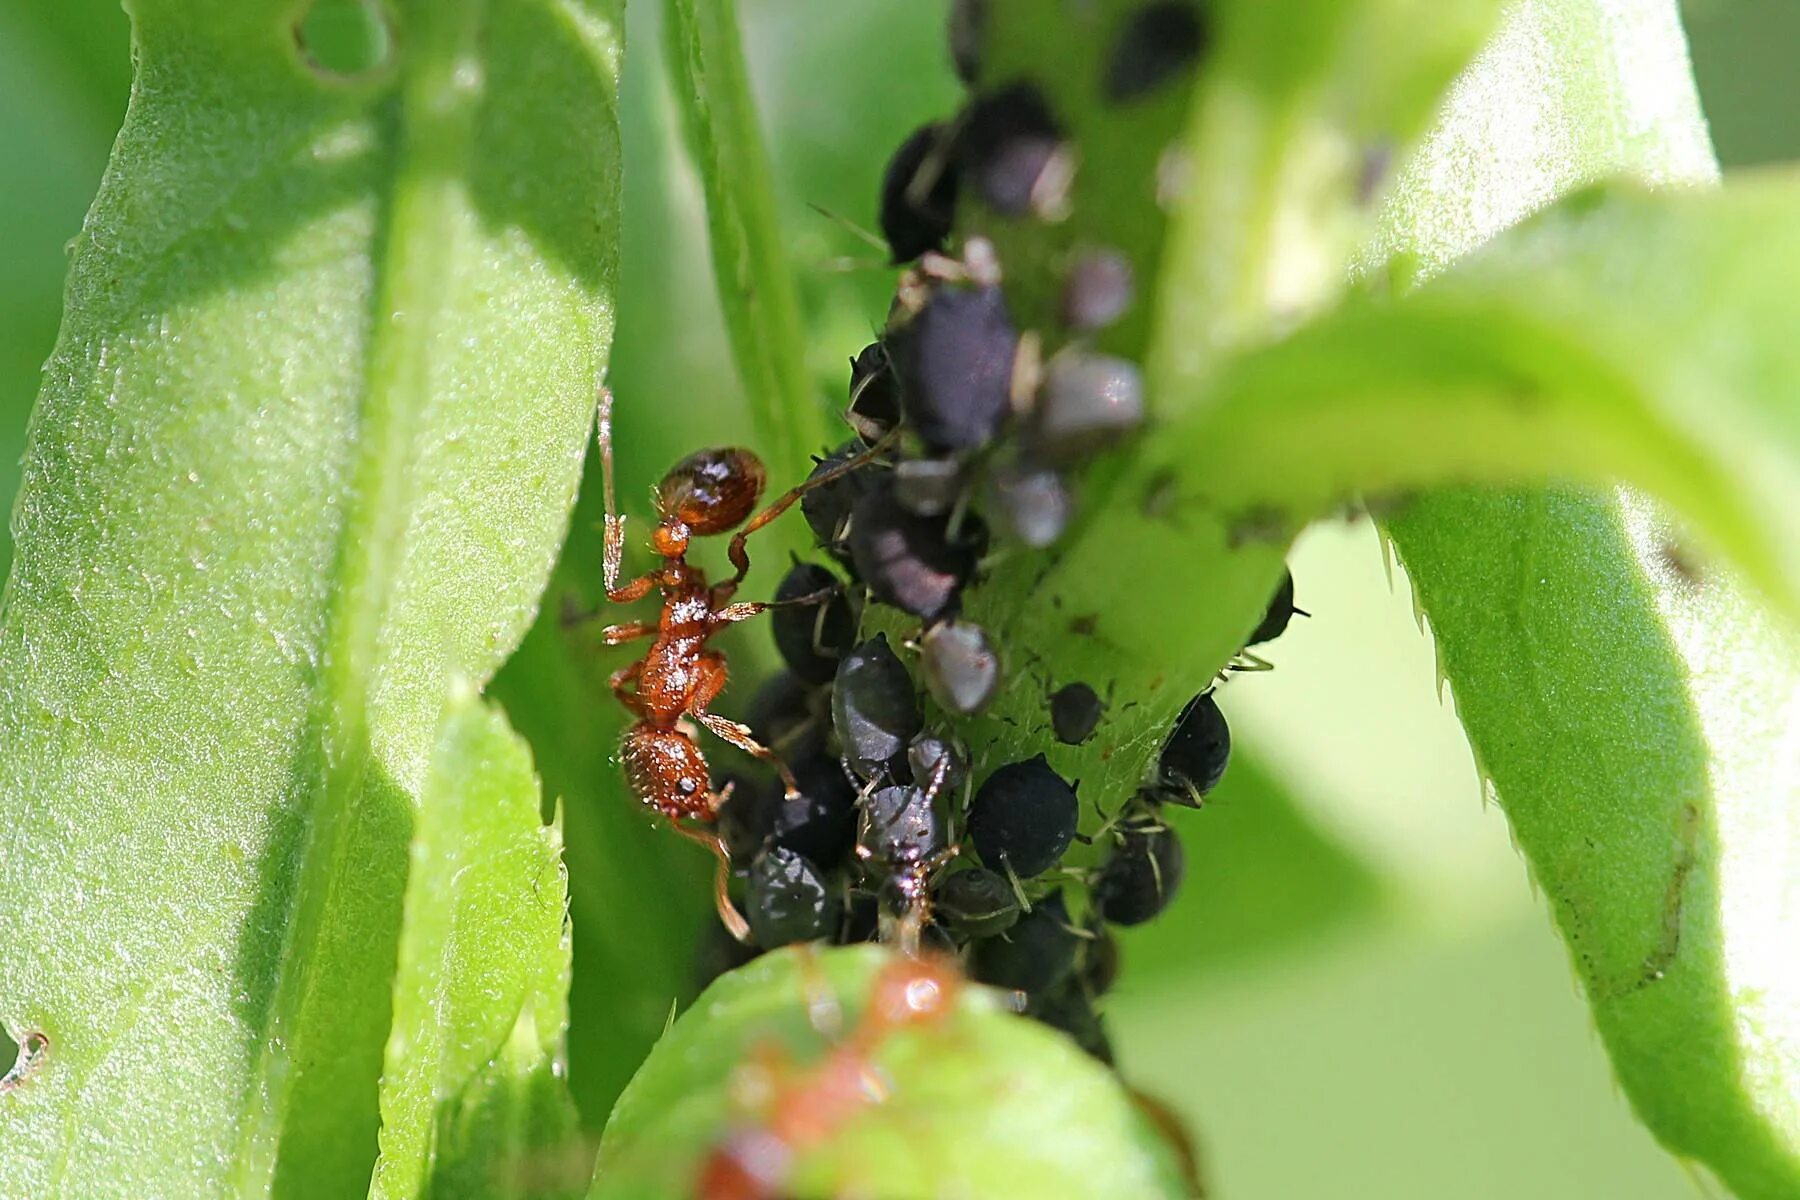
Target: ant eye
[(712, 490)]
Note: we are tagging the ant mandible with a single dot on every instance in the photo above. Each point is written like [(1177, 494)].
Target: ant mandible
[(707, 493)]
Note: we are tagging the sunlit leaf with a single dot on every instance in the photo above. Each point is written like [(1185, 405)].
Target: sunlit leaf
[(304, 451), (473, 1101)]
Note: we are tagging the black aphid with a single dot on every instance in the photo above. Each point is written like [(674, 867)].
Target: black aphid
[(900, 827), (820, 822), (1034, 955), (1097, 290), (1281, 610), (1159, 41), (1068, 1007), (788, 716), (787, 899), (960, 665), (1085, 403), (1075, 712), (1194, 758), (977, 902), (1143, 872), (827, 508), (1011, 148), (953, 357), (925, 754), (1023, 817), (874, 406), (918, 194), (812, 637), (874, 707), (910, 561), (1034, 502), (968, 33)]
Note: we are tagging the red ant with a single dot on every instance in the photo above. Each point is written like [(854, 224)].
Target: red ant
[(801, 1110), (707, 493)]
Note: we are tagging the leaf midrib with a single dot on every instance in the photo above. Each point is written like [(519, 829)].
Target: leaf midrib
[(432, 129)]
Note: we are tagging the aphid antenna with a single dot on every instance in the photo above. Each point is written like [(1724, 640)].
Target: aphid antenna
[(866, 236), (931, 168), (1012, 877)]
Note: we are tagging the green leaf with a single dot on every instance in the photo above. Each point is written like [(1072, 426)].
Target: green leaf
[(1629, 704), (1681, 739), (472, 1097), (980, 1103), (1621, 336), (305, 451), (750, 259)]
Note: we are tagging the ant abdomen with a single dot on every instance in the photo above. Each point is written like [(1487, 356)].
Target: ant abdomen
[(666, 769), (712, 490)]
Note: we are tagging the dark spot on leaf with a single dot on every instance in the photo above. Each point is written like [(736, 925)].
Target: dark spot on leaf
[(1680, 562), (344, 40), (28, 1056)]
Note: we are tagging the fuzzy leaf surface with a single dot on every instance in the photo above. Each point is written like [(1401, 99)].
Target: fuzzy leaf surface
[(305, 451)]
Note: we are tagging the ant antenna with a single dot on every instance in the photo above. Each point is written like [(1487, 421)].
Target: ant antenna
[(615, 524)]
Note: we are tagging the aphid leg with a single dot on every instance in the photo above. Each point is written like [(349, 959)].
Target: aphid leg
[(614, 635), (729, 916), (736, 553), (730, 731)]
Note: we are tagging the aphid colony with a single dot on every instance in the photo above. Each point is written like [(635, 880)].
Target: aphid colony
[(876, 823)]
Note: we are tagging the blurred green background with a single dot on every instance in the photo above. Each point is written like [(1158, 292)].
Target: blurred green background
[(1358, 994)]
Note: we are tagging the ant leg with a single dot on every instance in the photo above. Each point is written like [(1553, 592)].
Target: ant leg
[(637, 589), (615, 524), (615, 635), (628, 674), (731, 614), (735, 552), (729, 916), (739, 735)]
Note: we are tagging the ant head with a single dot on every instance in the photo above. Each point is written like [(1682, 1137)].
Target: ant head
[(710, 491), (670, 538)]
